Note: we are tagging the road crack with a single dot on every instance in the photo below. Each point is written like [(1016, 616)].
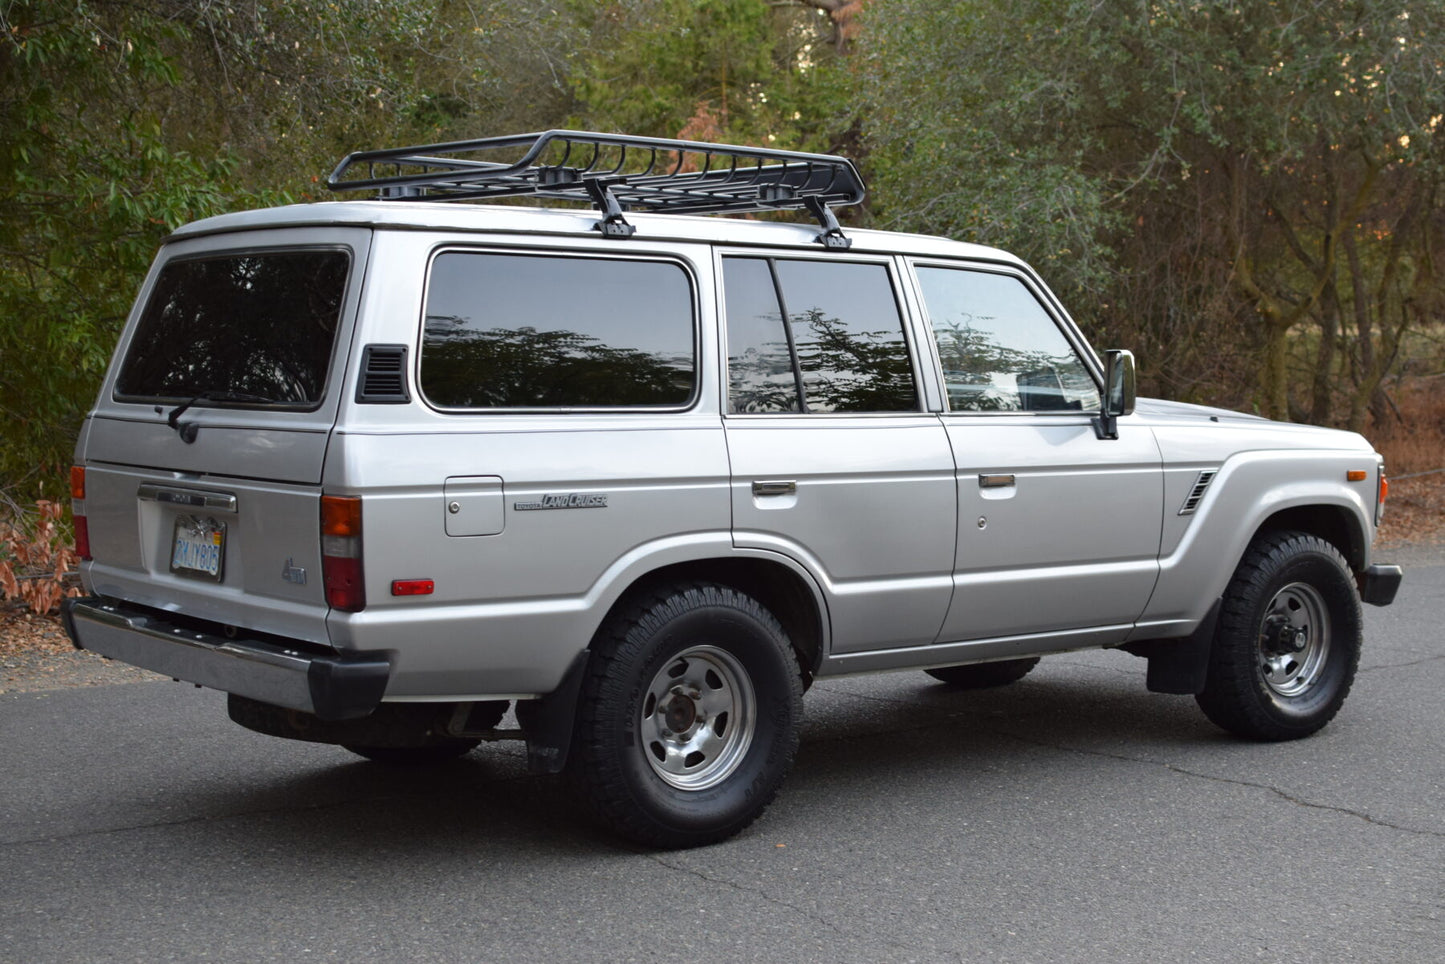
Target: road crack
[(1418, 662), (906, 951), (1195, 774), (1171, 767)]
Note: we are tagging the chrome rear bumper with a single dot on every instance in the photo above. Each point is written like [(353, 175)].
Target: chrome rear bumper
[(331, 687)]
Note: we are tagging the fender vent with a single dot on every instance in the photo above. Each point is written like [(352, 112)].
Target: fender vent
[(383, 376), (1196, 494)]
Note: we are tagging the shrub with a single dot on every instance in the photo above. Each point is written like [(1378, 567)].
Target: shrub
[(36, 557)]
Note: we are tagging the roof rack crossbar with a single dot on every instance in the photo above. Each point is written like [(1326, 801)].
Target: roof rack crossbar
[(638, 173)]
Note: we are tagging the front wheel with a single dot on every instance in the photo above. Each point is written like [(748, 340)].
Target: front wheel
[(689, 716), (1288, 640)]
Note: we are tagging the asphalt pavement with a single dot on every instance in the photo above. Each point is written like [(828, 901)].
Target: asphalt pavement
[(1070, 817)]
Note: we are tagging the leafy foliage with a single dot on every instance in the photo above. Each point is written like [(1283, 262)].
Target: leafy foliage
[(1194, 177), (1246, 193), (739, 71)]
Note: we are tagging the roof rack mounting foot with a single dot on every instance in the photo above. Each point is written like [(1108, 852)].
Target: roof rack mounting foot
[(613, 224), (832, 235)]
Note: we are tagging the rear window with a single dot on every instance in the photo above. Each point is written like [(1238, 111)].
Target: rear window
[(536, 331), (253, 329)]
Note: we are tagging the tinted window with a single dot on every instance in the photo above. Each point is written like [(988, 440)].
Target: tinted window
[(524, 331), (248, 329), (1001, 352), (833, 325), (760, 364)]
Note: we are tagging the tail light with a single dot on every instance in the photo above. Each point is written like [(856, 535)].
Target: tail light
[(341, 552), (1381, 495), (77, 511)]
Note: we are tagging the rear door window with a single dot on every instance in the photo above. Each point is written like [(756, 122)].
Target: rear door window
[(520, 331), (252, 329), (815, 336)]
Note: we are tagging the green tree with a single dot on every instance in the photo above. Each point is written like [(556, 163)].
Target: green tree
[(120, 121), (1210, 180), (744, 71)]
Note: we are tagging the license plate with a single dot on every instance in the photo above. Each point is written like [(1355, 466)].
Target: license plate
[(199, 548)]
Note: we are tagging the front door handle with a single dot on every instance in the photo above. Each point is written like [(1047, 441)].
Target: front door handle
[(775, 487)]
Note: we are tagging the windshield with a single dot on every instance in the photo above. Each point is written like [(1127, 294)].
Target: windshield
[(248, 330)]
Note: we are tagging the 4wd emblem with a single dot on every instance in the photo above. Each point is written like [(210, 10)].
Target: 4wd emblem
[(572, 500), (293, 573)]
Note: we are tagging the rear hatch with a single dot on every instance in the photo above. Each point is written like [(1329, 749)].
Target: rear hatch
[(204, 453)]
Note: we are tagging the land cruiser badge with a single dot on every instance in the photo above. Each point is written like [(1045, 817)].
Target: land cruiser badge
[(571, 500)]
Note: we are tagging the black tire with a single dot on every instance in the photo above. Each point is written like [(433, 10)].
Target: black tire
[(977, 676), (415, 756), (1288, 641), (688, 718)]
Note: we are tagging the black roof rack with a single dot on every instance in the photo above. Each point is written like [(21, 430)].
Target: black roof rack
[(613, 172)]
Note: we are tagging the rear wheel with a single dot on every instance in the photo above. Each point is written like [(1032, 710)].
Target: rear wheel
[(689, 716), (1288, 641), (977, 676)]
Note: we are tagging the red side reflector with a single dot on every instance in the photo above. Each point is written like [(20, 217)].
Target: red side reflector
[(412, 587), (1356, 475)]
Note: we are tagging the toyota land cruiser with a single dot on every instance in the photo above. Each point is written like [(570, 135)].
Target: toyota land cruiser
[(381, 469)]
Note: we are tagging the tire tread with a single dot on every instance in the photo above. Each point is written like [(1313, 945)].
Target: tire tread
[(594, 770), (1230, 697)]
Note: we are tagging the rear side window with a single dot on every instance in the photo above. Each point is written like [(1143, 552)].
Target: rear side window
[(537, 331), (814, 336), (254, 329)]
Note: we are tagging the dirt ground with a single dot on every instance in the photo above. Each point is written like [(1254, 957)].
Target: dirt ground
[(36, 655)]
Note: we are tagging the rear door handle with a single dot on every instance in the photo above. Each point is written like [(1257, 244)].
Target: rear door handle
[(775, 487), (995, 481)]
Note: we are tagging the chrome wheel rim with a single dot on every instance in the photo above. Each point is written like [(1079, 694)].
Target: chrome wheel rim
[(698, 718), (1294, 640)]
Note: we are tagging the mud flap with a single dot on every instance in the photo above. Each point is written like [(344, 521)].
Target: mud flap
[(547, 722), (1180, 666)]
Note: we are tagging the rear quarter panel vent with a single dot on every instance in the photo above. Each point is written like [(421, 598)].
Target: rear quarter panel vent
[(383, 376)]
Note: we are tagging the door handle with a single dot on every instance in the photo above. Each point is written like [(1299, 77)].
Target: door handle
[(995, 481), (775, 487)]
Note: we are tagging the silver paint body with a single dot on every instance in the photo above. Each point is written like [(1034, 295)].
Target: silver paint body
[(912, 558)]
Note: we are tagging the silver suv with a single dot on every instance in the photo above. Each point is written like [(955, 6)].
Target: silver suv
[(381, 469)]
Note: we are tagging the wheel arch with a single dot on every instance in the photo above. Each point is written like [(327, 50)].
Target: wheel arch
[(789, 595), (1335, 524)]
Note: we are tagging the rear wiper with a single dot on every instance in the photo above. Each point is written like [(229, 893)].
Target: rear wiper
[(213, 396), (173, 419)]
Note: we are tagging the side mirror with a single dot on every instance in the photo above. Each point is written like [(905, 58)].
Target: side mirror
[(1119, 391)]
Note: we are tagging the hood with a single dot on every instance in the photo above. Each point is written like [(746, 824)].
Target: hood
[(1159, 406)]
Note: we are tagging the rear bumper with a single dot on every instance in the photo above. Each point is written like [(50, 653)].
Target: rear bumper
[(1378, 584), (331, 687)]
